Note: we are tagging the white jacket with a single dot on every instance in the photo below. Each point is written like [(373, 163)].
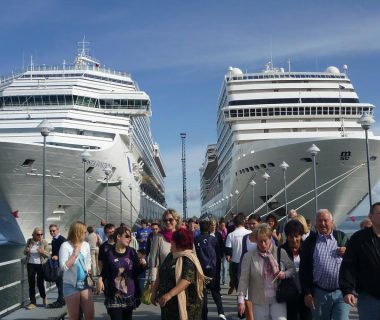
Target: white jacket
[(66, 250)]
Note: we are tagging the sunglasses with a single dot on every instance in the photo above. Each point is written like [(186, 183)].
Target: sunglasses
[(39, 234), (169, 220)]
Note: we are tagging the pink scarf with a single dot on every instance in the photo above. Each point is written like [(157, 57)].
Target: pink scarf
[(167, 235), (270, 267)]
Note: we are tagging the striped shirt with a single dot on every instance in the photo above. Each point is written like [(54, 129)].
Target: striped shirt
[(326, 262)]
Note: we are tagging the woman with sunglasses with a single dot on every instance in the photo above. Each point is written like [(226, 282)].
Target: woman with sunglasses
[(75, 261), (119, 277), (37, 253), (161, 242)]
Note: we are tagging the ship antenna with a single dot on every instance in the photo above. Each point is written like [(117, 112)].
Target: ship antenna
[(289, 65)]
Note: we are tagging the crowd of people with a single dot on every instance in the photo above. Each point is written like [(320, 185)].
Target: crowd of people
[(290, 271)]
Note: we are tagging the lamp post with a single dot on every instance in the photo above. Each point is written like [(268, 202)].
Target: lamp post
[(130, 198), (107, 172), (237, 200), (252, 183), (266, 176), (313, 150), (121, 199), (284, 166), (143, 195), (45, 129), (85, 156), (366, 120)]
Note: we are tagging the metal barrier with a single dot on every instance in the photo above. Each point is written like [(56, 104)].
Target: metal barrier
[(20, 282)]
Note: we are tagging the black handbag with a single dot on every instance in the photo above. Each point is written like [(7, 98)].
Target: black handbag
[(51, 270), (286, 290)]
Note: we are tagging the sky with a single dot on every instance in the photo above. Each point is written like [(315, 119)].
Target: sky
[(179, 51)]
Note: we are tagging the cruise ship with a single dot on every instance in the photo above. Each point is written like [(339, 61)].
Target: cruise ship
[(275, 116), (100, 158)]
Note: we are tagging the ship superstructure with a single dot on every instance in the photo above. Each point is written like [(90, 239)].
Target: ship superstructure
[(90, 107), (275, 115)]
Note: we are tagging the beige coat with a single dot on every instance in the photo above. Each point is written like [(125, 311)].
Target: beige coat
[(251, 278), (44, 246)]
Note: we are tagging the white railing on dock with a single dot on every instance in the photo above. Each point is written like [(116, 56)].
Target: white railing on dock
[(20, 282)]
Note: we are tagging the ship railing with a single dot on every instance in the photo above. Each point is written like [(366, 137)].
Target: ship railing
[(17, 266), (63, 69)]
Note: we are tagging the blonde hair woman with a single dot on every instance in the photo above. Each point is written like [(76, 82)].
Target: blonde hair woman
[(259, 269), (161, 242), (75, 260), (36, 251)]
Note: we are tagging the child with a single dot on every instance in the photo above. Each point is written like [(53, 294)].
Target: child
[(141, 278)]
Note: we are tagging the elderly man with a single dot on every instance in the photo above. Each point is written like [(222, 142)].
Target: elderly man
[(321, 258), (360, 268)]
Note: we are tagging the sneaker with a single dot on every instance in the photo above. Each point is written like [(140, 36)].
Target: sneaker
[(31, 306), (222, 316), (45, 302)]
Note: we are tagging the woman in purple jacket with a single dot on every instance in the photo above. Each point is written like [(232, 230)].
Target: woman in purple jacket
[(119, 277)]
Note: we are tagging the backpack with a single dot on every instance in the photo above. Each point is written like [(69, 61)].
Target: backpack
[(205, 248)]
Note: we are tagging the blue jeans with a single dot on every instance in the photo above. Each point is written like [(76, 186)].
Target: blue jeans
[(368, 307), (224, 269), (329, 305)]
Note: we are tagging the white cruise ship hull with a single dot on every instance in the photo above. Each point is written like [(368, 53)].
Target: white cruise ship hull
[(341, 176), (21, 188)]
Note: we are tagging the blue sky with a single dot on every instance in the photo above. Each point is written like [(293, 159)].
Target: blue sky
[(178, 52)]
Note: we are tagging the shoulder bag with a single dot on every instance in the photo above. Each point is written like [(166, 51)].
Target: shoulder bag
[(89, 281), (286, 290)]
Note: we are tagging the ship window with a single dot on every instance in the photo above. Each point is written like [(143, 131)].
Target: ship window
[(271, 164), (306, 159), (257, 167), (240, 171), (263, 166), (373, 158), (28, 163), (251, 169), (240, 113), (246, 170), (233, 113), (246, 112)]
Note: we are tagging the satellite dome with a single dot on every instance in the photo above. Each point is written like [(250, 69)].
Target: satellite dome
[(234, 71), (333, 69)]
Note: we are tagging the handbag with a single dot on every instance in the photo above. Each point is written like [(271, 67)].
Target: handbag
[(147, 294), (51, 270), (286, 290), (88, 281)]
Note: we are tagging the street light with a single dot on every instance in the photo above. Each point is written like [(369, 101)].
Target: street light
[(252, 183), (313, 150), (107, 172), (284, 166), (85, 156), (45, 129), (121, 199), (130, 198), (266, 176), (366, 120)]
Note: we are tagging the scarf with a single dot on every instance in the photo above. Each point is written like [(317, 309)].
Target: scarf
[(201, 279), (270, 267), (167, 235), (223, 233)]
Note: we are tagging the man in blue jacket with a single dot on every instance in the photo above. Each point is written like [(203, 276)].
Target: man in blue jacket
[(208, 253)]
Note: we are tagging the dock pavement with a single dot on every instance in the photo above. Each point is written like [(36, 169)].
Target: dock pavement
[(150, 312)]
